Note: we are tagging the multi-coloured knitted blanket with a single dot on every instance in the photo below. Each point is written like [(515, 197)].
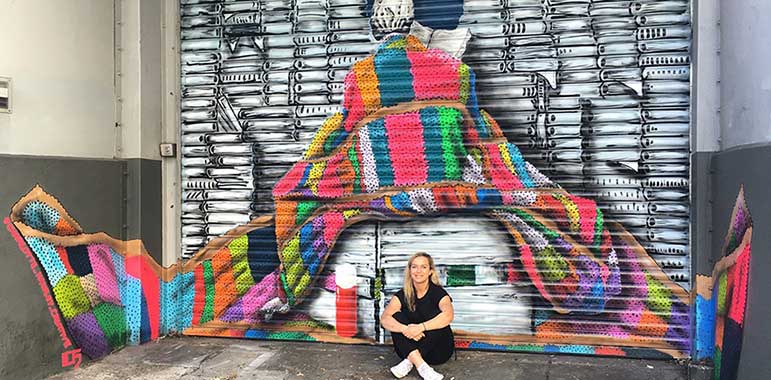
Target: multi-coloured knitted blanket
[(410, 142)]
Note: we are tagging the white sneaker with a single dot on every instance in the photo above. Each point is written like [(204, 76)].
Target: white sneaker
[(402, 369), (428, 373)]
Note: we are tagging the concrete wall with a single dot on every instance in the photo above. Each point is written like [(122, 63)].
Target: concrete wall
[(64, 133), (705, 111), (731, 169), (93, 190), (744, 75), (141, 72), (59, 55)]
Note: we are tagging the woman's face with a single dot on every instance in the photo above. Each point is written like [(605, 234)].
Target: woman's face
[(420, 270)]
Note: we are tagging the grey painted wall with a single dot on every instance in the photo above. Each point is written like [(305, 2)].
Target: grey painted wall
[(749, 166), (745, 81), (92, 190), (143, 204)]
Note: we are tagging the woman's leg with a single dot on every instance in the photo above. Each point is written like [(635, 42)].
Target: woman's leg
[(437, 347), (403, 345)]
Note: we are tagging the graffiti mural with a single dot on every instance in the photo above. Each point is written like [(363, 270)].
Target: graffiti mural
[(411, 143), (538, 150), (721, 299), (594, 93)]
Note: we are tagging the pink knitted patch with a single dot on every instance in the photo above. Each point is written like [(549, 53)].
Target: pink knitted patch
[(352, 102), (329, 184), (741, 275), (406, 148), (329, 283), (258, 295), (435, 75), (333, 223), (587, 210), (615, 332), (528, 262), (291, 180), (104, 273), (502, 178), (633, 313)]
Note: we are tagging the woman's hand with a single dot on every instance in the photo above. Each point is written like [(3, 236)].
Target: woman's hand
[(413, 331)]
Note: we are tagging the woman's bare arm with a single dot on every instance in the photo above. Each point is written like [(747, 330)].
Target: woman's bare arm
[(444, 318), (414, 332), (387, 320)]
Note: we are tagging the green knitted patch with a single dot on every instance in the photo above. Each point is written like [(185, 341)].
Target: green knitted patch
[(208, 279), (305, 280), (290, 335), (461, 275), (599, 225), (550, 264), (527, 218), (397, 44), (525, 347), (290, 256), (241, 271), (243, 276), (354, 158), (304, 210), (659, 297), (452, 142), (70, 297), (238, 248), (721, 293), (329, 142), (287, 291), (112, 320), (465, 83)]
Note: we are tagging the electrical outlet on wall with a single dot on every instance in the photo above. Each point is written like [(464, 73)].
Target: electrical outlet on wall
[(168, 150)]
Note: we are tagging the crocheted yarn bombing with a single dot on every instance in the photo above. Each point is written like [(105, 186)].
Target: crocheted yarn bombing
[(411, 141)]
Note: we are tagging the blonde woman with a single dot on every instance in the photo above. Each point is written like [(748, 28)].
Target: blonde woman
[(418, 317)]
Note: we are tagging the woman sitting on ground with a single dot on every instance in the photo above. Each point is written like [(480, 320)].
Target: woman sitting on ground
[(418, 317)]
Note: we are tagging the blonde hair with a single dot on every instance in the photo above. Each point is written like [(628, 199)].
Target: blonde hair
[(409, 288)]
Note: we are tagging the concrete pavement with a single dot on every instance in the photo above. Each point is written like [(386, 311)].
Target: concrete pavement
[(188, 358)]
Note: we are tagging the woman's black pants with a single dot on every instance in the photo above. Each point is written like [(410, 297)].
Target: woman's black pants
[(436, 347)]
